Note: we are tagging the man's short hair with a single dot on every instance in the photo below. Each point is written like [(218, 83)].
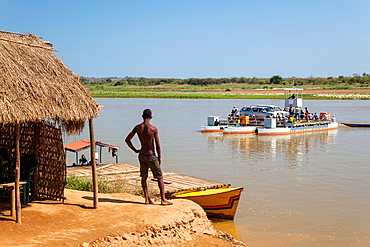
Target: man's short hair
[(147, 113)]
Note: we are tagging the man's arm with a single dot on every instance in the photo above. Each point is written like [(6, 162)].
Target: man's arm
[(157, 145), (128, 140)]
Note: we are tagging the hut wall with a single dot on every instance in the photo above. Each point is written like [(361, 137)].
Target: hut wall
[(50, 175), (51, 178)]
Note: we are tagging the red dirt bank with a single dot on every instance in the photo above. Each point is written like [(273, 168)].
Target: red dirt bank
[(121, 220)]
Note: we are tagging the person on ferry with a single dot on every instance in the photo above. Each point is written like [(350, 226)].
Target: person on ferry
[(292, 96), (315, 116), (236, 113), (279, 118), (253, 119), (296, 113), (233, 111), (285, 120), (217, 123), (333, 119), (306, 113), (291, 111)]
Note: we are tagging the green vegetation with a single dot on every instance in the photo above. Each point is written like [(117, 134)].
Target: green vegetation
[(355, 80), (107, 185), (180, 96), (276, 79), (215, 88)]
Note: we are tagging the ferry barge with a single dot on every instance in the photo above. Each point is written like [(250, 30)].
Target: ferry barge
[(271, 126), (232, 125), (293, 97), (213, 125)]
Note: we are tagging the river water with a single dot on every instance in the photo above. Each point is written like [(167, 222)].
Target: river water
[(299, 190)]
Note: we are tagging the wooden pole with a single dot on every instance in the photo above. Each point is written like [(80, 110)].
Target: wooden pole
[(17, 174), (12, 201), (36, 142), (100, 155), (93, 162)]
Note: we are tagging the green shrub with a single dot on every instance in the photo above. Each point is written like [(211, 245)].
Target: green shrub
[(276, 79), (114, 184), (79, 183), (118, 83)]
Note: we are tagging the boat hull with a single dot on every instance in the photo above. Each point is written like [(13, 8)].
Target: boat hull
[(362, 125), (240, 130), (218, 203), (208, 128), (297, 130)]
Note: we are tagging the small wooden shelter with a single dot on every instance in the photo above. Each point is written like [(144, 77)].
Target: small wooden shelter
[(39, 99), (80, 145)]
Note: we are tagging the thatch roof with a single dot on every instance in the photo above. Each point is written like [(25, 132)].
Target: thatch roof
[(36, 86)]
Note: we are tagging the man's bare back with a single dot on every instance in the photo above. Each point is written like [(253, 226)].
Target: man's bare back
[(148, 136), (146, 132)]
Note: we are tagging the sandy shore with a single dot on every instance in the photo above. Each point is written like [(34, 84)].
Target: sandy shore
[(120, 220)]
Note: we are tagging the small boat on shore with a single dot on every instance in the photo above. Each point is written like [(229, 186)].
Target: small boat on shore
[(218, 203), (361, 125)]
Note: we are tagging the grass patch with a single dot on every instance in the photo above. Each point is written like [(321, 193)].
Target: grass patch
[(108, 184), (180, 96)]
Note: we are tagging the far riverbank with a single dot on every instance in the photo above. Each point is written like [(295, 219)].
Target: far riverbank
[(316, 94)]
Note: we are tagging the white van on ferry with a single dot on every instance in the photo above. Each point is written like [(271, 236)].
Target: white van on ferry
[(262, 111)]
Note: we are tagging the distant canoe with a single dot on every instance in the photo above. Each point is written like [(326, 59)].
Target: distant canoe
[(366, 125), (218, 203)]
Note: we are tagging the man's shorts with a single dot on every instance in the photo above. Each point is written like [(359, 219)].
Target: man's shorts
[(149, 161)]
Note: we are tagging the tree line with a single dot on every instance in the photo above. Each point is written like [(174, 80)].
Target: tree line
[(356, 79)]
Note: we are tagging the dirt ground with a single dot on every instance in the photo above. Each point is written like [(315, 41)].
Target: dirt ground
[(120, 220)]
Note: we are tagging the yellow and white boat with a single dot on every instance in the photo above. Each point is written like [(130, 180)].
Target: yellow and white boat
[(219, 203)]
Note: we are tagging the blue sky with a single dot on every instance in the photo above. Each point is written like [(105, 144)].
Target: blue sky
[(183, 39)]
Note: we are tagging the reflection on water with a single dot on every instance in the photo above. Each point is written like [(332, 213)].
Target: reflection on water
[(295, 189), (292, 149), (225, 226)]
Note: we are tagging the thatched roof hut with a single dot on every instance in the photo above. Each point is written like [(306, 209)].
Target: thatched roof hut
[(39, 96), (36, 85)]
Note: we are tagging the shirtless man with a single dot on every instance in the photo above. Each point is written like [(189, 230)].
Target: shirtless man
[(148, 135)]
